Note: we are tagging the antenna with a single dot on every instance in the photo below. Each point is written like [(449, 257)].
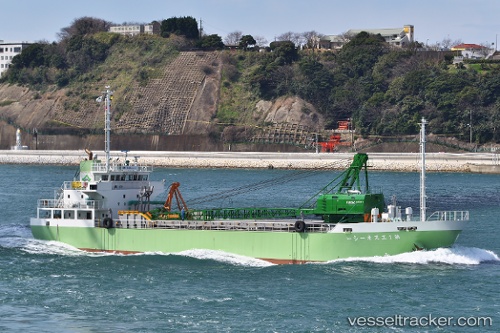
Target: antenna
[(107, 124), (423, 207), (126, 153)]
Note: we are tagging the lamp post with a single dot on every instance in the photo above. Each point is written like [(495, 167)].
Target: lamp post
[(35, 134)]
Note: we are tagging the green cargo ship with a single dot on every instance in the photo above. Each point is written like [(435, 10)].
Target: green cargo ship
[(108, 207)]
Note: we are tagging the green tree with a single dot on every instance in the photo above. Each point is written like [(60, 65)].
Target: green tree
[(211, 42), (316, 82), (182, 26), (31, 56), (84, 52), (358, 57), (246, 41), (284, 52)]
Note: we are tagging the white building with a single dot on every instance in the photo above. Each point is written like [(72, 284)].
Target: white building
[(136, 29), (7, 52), (397, 37)]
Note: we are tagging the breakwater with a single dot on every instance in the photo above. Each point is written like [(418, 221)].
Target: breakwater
[(410, 162)]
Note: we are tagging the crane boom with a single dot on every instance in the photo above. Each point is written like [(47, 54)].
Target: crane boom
[(352, 174), (175, 193)]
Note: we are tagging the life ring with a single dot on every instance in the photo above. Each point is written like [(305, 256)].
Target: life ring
[(107, 223), (300, 226)]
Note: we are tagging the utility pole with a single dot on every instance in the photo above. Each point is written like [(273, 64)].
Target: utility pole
[(351, 132), (316, 135)]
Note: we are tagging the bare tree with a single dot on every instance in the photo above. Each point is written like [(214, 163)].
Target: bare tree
[(346, 36), (261, 41), (233, 38), (456, 42), (486, 49), (293, 37), (312, 39), (446, 43)]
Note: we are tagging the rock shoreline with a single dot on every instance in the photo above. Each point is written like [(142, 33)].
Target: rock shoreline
[(406, 162)]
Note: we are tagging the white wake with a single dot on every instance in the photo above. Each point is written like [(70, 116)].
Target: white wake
[(453, 256)]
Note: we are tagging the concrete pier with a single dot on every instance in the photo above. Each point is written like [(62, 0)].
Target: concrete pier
[(410, 162)]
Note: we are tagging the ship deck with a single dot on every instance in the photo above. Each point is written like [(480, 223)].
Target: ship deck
[(282, 225)]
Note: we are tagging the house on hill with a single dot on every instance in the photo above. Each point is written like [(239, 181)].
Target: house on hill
[(136, 29), (471, 51), (397, 37), (332, 42)]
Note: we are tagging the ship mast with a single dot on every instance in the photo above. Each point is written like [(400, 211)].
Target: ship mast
[(423, 207), (107, 125)]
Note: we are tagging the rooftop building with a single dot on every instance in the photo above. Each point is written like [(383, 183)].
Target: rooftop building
[(7, 52), (397, 37), (136, 29)]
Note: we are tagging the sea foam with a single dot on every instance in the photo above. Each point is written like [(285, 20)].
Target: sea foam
[(225, 257), (453, 256), (457, 255)]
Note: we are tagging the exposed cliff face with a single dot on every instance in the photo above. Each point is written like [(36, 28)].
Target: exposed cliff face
[(290, 109), (25, 108)]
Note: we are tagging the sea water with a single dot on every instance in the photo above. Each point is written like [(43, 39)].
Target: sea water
[(52, 287)]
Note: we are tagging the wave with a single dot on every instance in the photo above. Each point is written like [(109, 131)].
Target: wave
[(14, 230), (34, 246), (452, 256), (13, 236), (18, 237), (225, 257)]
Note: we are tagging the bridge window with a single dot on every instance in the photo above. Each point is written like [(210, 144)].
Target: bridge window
[(45, 214)]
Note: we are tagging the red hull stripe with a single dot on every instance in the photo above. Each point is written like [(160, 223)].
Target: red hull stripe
[(273, 261)]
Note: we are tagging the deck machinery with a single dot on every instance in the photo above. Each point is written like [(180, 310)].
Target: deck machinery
[(348, 200)]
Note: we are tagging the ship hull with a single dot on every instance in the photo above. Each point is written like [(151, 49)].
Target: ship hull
[(366, 240)]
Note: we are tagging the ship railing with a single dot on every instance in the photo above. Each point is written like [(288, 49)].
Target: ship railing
[(451, 215), (242, 225), (242, 213), (59, 196), (118, 167), (48, 203), (56, 203)]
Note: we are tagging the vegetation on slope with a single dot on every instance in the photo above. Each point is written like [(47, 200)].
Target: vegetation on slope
[(384, 91)]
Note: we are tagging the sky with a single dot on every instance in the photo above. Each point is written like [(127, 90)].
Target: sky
[(468, 21)]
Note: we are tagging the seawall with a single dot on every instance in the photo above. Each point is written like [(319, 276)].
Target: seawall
[(410, 162)]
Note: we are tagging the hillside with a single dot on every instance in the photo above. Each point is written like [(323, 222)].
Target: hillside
[(168, 96), (178, 104)]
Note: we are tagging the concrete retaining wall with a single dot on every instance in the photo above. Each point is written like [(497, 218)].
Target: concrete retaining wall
[(469, 162)]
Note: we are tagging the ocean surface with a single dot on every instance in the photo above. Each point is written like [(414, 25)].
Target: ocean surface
[(52, 287)]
